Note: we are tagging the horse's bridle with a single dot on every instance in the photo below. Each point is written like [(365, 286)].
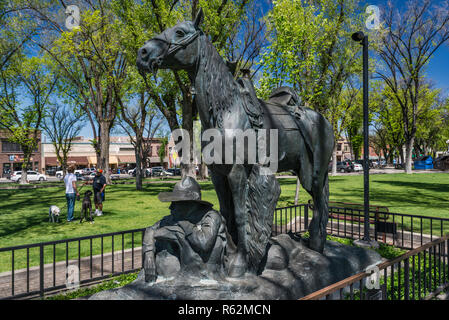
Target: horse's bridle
[(175, 46)]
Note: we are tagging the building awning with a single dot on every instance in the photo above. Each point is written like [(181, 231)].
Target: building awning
[(112, 160), (157, 159), (53, 161), (127, 159)]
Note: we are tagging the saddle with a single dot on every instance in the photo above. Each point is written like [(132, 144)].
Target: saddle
[(282, 101)]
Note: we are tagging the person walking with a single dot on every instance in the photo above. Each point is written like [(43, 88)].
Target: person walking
[(71, 192), (99, 184)]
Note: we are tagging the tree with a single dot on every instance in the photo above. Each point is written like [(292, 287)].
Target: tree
[(432, 132), (141, 122), (15, 32), (62, 126), (162, 151), (90, 60), (387, 120), (224, 21), (354, 130), (22, 114), (409, 40), (312, 51)]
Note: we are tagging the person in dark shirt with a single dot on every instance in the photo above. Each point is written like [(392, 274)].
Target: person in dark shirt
[(99, 184)]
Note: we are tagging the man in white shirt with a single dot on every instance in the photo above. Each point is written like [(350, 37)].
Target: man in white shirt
[(71, 192)]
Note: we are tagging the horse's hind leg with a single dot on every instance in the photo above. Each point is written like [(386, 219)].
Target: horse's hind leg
[(317, 228)]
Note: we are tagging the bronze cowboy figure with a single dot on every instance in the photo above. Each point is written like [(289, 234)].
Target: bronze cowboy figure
[(192, 240)]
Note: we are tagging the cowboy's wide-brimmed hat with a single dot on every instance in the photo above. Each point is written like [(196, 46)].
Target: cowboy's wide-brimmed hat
[(185, 190)]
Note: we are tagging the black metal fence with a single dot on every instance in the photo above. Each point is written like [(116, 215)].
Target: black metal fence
[(419, 274), (405, 231), (38, 268), (33, 270)]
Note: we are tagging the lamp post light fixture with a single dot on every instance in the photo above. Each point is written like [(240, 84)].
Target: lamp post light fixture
[(363, 39)]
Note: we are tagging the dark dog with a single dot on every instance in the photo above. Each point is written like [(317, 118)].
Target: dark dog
[(86, 209)]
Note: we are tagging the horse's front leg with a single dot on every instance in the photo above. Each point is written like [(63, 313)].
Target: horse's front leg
[(238, 183)]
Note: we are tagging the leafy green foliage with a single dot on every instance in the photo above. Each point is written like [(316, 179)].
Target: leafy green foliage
[(114, 282)]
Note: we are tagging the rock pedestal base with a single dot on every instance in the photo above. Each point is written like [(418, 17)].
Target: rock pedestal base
[(291, 271)]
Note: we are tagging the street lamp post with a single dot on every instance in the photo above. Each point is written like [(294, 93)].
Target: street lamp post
[(363, 39)]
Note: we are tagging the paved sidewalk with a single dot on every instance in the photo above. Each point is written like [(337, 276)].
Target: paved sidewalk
[(55, 275)]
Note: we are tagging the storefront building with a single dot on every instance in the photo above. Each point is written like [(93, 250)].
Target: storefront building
[(121, 154), (11, 156)]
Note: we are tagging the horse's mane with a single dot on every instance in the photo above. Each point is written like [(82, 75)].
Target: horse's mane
[(222, 91)]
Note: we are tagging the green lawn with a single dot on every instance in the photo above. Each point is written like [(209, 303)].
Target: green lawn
[(24, 213)]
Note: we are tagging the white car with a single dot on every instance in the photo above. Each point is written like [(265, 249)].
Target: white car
[(31, 176), (358, 167)]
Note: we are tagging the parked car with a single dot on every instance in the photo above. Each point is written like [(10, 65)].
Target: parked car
[(345, 166), (157, 171), (50, 172), (342, 166), (88, 171), (146, 173), (14, 173), (441, 163), (80, 177), (59, 174), (91, 176), (31, 176), (175, 171), (358, 167)]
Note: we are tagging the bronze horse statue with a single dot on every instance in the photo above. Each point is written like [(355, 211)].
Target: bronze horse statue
[(305, 141)]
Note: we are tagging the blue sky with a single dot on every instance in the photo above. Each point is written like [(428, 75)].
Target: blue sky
[(437, 70)]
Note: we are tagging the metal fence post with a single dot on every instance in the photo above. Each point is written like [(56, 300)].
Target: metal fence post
[(41, 271), (306, 217), (406, 279)]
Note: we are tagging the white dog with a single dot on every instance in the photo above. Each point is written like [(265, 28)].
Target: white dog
[(53, 214)]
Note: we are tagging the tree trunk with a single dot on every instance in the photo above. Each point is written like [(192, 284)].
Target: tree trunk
[(203, 171), (104, 151), (188, 169), (408, 155), (298, 185), (334, 160), (24, 176), (138, 165)]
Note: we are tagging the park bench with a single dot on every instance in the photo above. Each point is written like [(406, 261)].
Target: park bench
[(354, 212)]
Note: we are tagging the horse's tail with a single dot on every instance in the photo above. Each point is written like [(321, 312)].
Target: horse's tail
[(263, 194)]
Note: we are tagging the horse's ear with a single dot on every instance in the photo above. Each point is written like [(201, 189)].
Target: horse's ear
[(199, 18)]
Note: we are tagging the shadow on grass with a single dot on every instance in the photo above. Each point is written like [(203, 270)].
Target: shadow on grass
[(439, 187), (387, 198)]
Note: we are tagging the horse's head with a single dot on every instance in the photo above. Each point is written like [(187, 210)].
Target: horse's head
[(175, 48)]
